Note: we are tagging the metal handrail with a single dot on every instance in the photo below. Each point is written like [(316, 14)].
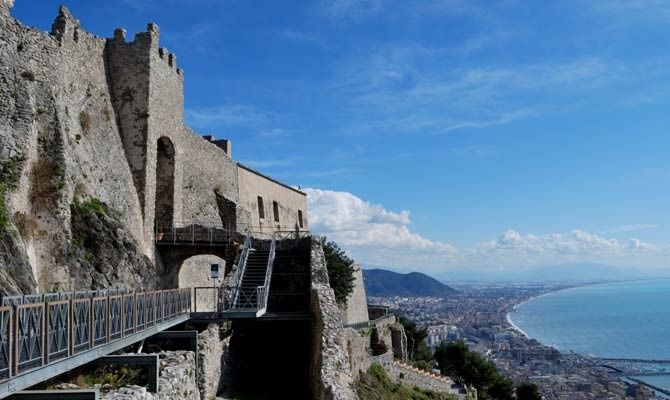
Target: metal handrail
[(268, 274), (36, 330), (242, 266)]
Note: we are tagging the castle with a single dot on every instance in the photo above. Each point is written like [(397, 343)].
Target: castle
[(87, 118)]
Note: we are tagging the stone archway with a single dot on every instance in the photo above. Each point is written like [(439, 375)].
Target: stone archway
[(195, 272), (165, 177)]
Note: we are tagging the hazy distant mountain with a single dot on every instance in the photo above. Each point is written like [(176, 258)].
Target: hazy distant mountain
[(569, 273), (382, 283)]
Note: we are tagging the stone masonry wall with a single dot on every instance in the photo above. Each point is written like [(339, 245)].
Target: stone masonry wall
[(212, 360), (331, 377), (356, 309), (59, 141), (289, 202), (411, 376)]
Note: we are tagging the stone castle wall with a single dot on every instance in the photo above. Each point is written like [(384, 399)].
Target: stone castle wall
[(356, 309), (59, 137), (290, 202), (331, 369), (84, 118)]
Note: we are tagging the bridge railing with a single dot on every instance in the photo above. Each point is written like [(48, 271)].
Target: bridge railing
[(36, 330), (193, 232)]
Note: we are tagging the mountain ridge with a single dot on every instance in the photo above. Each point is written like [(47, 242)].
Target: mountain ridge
[(384, 283)]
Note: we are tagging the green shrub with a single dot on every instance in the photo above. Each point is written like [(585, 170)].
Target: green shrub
[(340, 270), (4, 214), (94, 205)]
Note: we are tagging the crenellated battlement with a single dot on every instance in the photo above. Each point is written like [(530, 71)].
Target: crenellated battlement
[(149, 40), (170, 59)]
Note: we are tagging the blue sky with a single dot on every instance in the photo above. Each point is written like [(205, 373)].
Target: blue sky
[(436, 134)]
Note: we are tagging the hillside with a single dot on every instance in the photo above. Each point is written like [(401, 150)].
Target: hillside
[(383, 283)]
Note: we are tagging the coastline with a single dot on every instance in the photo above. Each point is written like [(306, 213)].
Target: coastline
[(660, 389), (515, 327)]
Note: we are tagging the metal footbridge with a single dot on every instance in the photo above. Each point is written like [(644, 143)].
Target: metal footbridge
[(45, 335)]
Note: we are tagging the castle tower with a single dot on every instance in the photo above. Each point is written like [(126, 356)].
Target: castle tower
[(148, 97)]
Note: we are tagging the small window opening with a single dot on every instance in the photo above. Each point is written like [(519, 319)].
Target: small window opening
[(275, 210), (300, 219), (261, 209)]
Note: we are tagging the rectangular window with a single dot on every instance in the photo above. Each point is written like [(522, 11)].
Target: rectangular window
[(275, 209), (261, 209), (300, 219)]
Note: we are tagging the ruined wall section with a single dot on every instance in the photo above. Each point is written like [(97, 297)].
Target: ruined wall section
[(290, 202), (330, 366), (356, 309)]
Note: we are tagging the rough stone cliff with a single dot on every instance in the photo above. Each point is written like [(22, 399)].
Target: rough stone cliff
[(69, 213)]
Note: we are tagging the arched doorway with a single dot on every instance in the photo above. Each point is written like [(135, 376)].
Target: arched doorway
[(165, 162), (195, 272)]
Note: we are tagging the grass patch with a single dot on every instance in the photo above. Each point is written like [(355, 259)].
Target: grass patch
[(375, 384), (93, 205), (4, 214), (10, 175)]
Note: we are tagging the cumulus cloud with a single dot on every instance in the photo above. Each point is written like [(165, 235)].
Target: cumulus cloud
[(353, 222), (576, 242), (377, 236)]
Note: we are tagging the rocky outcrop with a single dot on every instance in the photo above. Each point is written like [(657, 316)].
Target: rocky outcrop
[(15, 271), (59, 141), (102, 253), (331, 377)]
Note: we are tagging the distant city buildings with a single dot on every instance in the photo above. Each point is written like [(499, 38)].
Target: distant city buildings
[(477, 315)]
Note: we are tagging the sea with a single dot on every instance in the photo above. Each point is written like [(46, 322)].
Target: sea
[(627, 320)]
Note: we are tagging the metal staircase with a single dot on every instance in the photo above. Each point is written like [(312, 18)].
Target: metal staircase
[(248, 298)]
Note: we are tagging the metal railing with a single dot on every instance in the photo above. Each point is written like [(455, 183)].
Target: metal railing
[(241, 267), (193, 232), (249, 299), (36, 330), (264, 291)]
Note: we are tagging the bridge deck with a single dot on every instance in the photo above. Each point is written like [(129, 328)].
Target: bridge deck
[(53, 369)]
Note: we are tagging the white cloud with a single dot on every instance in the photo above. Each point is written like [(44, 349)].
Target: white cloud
[(353, 222), (377, 236)]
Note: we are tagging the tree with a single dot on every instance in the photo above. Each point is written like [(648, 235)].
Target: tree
[(340, 270), (455, 359), (528, 391), (417, 349), (501, 389)]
